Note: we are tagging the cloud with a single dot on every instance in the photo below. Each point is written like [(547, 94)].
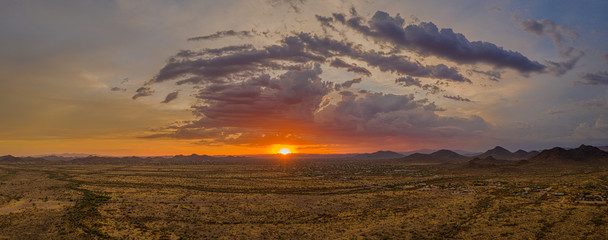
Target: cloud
[(595, 131), (338, 63), (561, 68), (117, 89), (347, 84), (250, 95), (593, 103), (427, 39), (200, 68), (598, 78), (431, 89), (492, 75), (555, 111), (142, 92), (294, 4), (293, 107), (222, 34), (379, 114), (213, 51), (242, 62), (408, 81), (457, 98), (605, 57), (545, 27), (170, 97)]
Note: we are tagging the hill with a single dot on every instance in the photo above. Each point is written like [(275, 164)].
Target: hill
[(9, 159), (584, 154), (493, 162), (441, 156), (379, 155), (499, 152)]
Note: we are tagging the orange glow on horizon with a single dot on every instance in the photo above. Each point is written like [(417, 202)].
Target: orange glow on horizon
[(282, 149), (285, 151)]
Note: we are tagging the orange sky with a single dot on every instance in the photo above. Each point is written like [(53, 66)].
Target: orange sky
[(247, 77)]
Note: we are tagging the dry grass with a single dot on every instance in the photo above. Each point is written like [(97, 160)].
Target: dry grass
[(342, 200)]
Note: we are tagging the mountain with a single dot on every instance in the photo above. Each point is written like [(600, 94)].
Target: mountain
[(441, 156), (493, 162), (378, 155), (499, 152), (177, 159), (9, 159), (191, 159), (429, 151), (584, 154), (521, 154)]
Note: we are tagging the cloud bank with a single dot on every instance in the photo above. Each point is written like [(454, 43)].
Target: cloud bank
[(262, 95)]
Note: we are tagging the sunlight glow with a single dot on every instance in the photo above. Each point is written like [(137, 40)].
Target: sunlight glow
[(284, 151)]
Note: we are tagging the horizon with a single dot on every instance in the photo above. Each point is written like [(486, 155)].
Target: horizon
[(459, 151), (239, 78)]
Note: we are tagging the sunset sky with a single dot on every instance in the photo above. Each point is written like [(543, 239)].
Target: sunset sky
[(254, 76)]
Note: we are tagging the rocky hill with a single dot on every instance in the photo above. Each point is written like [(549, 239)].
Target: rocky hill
[(499, 152), (584, 154)]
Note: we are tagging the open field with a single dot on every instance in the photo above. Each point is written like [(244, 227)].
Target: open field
[(301, 200)]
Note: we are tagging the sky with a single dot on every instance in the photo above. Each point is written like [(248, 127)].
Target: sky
[(146, 77)]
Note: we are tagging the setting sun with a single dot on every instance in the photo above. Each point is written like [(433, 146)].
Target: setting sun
[(284, 151)]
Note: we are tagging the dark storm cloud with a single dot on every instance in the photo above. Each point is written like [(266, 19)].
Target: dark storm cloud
[(142, 92), (222, 34), (338, 63), (170, 97), (457, 98), (598, 78), (426, 38)]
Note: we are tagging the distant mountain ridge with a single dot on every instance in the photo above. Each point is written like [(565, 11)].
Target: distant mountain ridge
[(583, 154), (498, 156), (441, 156), (379, 155), (499, 152)]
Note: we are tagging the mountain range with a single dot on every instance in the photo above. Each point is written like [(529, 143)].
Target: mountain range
[(497, 156)]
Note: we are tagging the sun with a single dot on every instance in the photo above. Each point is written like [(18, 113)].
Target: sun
[(284, 151)]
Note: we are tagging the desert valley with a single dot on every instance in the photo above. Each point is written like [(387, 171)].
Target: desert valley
[(552, 194)]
